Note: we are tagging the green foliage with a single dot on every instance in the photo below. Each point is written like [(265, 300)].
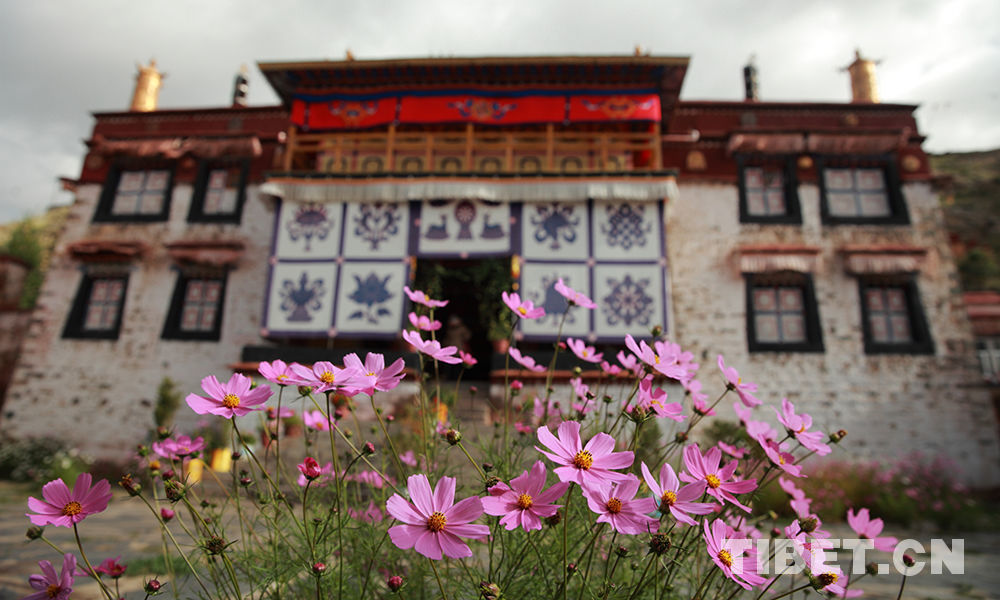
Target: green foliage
[(25, 242), (979, 271), (168, 400), (39, 460)]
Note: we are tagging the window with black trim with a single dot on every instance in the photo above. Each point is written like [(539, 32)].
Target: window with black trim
[(892, 316), (768, 191), (97, 309), (136, 192), (196, 308), (782, 315), (219, 191), (860, 191)]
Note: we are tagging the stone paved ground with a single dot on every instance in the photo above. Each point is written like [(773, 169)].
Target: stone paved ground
[(125, 529)]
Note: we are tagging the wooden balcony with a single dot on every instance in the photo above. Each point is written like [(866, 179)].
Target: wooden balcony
[(545, 150)]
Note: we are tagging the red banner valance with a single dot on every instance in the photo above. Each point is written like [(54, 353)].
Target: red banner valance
[(633, 107), (482, 109), (344, 114)]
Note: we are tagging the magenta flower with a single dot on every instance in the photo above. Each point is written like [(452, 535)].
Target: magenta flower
[(734, 451), (432, 348), (432, 523), (379, 376), (523, 503), (588, 465), (573, 296), (630, 362), (734, 557), (662, 360), (779, 456), (326, 475), (315, 419), (310, 469), (699, 399), (423, 322), (583, 351), (706, 468), (546, 413), (616, 505), (654, 400), (610, 369), (525, 309), (371, 514), (868, 529), (276, 372), (48, 585), (743, 390), (525, 361), (63, 508), (166, 514), (408, 458), (799, 502), (179, 447), (468, 359), (111, 567), (274, 413), (668, 494), (421, 298), (324, 377), (231, 399), (798, 426)]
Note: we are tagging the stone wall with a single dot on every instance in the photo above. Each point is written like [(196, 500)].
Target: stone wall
[(891, 405)]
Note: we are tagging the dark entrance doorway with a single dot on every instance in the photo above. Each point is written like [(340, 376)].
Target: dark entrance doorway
[(474, 310)]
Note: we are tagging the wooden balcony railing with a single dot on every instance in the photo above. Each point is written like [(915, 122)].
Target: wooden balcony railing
[(480, 151)]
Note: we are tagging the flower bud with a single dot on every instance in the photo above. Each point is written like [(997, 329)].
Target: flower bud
[(571, 568), (908, 560), (776, 532), (838, 435), (657, 331), (173, 490), (152, 587), (319, 569), (577, 371), (822, 580), (492, 481), (621, 551), (554, 520), (368, 448), (487, 467), (872, 568), (395, 583), (808, 525), (163, 432), (309, 468), (142, 450), (236, 455), (489, 591), (473, 390), (129, 485), (453, 436), (215, 545), (34, 532), (607, 399), (168, 474), (681, 437), (166, 514), (659, 544)]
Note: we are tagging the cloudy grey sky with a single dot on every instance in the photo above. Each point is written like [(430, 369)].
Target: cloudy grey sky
[(61, 61)]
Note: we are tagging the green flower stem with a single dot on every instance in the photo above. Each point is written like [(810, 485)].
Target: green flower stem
[(639, 586), (506, 397), (51, 545), (277, 439), (555, 355), (90, 569), (901, 585), (164, 528), (590, 549), (621, 413), (482, 474), (371, 563), (569, 500), (438, 577), (388, 438), (798, 589)]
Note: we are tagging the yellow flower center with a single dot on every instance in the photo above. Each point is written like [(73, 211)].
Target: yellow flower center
[(726, 557), (230, 400), (371, 373), (668, 499), (326, 377), (436, 521), (614, 505), (583, 460), (522, 310), (781, 459), (524, 502), (585, 354), (53, 590), (801, 429), (154, 465), (656, 358), (72, 509), (713, 481)]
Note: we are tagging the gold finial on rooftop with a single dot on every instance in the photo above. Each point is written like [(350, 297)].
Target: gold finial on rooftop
[(147, 87), (864, 85)]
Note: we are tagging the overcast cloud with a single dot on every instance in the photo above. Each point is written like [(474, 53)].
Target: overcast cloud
[(62, 61)]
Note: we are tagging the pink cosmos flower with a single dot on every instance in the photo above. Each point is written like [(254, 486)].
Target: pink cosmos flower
[(546, 413), (408, 458), (111, 567), (167, 514), (779, 456), (662, 360), (432, 348), (839, 589), (274, 414), (179, 447), (654, 400), (371, 514), (371, 478), (421, 298), (231, 399), (380, 377), (525, 361), (310, 469), (63, 508), (48, 586), (760, 430), (699, 399), (799, 502), (423, 322), (629, 362), (616, 505), (573, 296), (324, 377), (467, 359), (326, 475), (744, 413), (610, 369), (734, 451), (315, 419), (583, 351), (432, 523), (743, 390), (706, 468), (868, 529), (581, 389), (798, 426), (588, 465), (525, 309), (276, 372), (523, 503), (668, 494), (734, 557)]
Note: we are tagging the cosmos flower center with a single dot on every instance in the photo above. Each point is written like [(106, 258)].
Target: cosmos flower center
[(614, 505), (53, 590), (585, 353), (725, 557), (781, 459), (230, 400), (826, 579), (583, 460), (72, 509), (522, 310), (371, 373), (282, 377), (801, 429), (436, 521), (326, 377), (154, 465), (668, 498), (524, 502), (713, 481), (656, 358)]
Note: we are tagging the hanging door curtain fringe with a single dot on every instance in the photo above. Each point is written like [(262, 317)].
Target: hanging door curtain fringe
[(565, 190)]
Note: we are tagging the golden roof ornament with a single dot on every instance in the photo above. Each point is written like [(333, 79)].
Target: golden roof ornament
[(864, 86), (147, 87)]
